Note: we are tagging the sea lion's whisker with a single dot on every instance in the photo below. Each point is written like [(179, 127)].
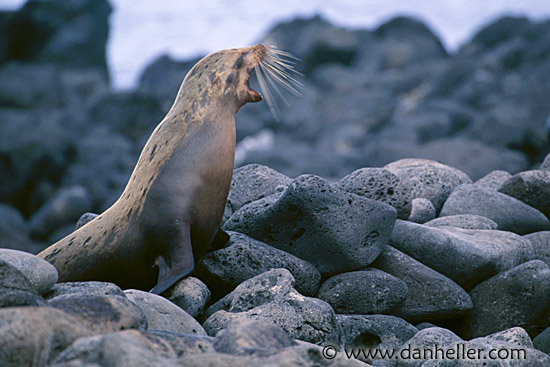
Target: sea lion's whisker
[(275, 84), (266, 93), (281, 80), (276, 70), (280, 60), (276, 51), (284, 76), (281, 65)]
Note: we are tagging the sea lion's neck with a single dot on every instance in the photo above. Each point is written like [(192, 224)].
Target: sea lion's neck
[(188, 112)]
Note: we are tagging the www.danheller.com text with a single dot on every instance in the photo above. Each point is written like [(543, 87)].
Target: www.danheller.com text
[(460, 351)]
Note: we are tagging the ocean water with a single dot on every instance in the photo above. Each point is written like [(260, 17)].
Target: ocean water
[(143, 30)]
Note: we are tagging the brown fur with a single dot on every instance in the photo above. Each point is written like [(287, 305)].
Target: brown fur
[(171, 209)]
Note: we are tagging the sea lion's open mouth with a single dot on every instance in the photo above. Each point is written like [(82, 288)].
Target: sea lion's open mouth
[(254, 96)]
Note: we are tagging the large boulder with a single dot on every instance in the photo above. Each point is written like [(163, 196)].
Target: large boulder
[(162, 314), (315, 41), (364, 292), (517, 297), (432, 296), (243, 258), (531, 187), (405, 41), (334, 230), (428, 179), (41, 274), (379, 184), (509, 213), (466, 256), (36, 334), (15, 288), (271, 297), (71, 33)]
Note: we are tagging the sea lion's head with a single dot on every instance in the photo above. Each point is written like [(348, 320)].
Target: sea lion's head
[(224, 76)]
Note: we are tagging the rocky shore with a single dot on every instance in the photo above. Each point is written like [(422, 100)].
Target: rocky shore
[(400, 205)]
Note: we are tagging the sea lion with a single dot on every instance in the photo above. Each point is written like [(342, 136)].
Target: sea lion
[(170, 211)]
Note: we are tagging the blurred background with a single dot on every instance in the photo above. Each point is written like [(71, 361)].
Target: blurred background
[(84, 82)]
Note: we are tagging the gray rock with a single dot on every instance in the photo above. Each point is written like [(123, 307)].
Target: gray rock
[(47, 142), (252, 337), (432, 338), (253, 182), (107, 177), (102, 314), (432, 296), (545, 165), (422, 211), (126, 348), (15, 288), (36, 334), (365, 292), (164, 315), (315, 41), (71, 34), (130, 113), (498, 31), (531, 187), (162, 78), (464, 221), (29, 85), (509, 213), (466, 256), (75, 363), (60, 233), (65, 207), (85, 218), (271, 297), (513, 249), (470, 156), (421, 44), (14, 231), (381, 185), (374, 332), (515, 335), (540, 242), (425, 325), (244, 257), (517, 297), (69, 289), (334, 230), (41, 274), (186, 344), (542, 341), (190, 294), (494, 179), (304, 354), (428, 179), (480, 350)]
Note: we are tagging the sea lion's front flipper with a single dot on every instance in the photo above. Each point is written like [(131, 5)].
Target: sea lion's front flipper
[(219, 241), (180, 264)]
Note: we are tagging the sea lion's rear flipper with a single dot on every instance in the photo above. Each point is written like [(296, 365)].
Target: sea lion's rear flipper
[(180, 263), (219, 241)]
